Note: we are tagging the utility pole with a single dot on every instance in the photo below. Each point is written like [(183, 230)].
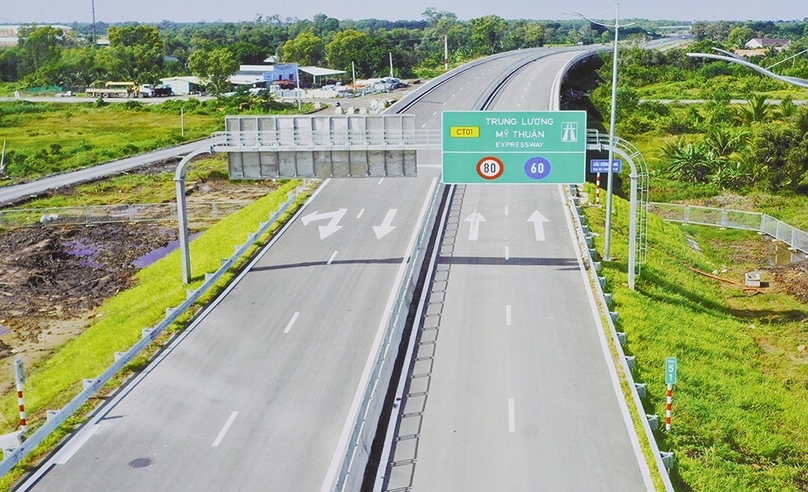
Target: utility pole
[(94, 34)]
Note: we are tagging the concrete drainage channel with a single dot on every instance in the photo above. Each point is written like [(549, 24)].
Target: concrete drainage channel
[(403, 448)]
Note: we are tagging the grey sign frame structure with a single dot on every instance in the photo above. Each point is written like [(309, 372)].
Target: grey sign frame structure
[(309, 146), (638, 196)]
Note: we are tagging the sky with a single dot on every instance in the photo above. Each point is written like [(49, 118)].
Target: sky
[(111, 11)]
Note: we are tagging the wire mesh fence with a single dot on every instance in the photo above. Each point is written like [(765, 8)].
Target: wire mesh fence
[(733, 219)]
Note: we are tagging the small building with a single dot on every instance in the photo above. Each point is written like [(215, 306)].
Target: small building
[(757, 43), (10, 34), (264, 75), (183, 85)]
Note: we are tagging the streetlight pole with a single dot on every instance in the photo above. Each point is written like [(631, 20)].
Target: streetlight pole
[(612, 118)]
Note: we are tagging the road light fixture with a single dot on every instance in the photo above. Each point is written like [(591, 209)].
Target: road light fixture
[(610, 175)]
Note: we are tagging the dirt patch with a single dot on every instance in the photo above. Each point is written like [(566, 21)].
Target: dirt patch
[(53, 277)]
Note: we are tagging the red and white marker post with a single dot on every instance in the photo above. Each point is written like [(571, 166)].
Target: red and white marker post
[(597, 189), (670, 379), (20, 379)]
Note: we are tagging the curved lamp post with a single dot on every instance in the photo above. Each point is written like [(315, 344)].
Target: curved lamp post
[(610, 175), (733, 58)]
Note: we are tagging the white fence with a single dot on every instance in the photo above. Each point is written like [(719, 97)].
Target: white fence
[(733, 219), (198, 212)]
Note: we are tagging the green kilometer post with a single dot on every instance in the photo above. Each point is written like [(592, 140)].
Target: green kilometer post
[(670, 370), (514, 147)]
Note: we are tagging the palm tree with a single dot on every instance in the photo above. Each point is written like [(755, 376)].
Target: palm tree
[(756, 111)]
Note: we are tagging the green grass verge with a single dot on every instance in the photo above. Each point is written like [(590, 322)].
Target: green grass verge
[(739, 416), (121, 319)]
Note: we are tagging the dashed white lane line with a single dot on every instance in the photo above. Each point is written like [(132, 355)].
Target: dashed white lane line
[(508, 315), (506, 210), (507, 253), (331, 260), (225, 429), (291, 322), (361, 212), (511, 416), (381, 181)]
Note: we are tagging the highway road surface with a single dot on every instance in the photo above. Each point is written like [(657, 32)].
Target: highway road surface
[(261, 392), (512, 386)]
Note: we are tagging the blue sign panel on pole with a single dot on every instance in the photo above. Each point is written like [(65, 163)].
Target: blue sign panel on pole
[(602, 165), (670, 370)]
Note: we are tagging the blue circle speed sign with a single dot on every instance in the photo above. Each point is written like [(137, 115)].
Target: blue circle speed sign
[(537, 168)]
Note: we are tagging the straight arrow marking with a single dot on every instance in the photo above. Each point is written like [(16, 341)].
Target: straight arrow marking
[(538, 224), (386, 226), (474, 229)]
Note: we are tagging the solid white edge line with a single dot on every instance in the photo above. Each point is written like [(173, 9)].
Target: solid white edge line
[(225, 429), (342, 444), (621, 401), (511, 415), (291, 322), (331, 260), (68, 451)]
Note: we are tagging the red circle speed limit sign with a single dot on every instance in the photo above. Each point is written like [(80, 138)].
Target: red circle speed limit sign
[(490, 168)]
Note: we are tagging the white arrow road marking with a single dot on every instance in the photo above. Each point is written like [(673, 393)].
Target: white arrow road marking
[(386, 227), (331, 227), (538, 224), (474, 229)]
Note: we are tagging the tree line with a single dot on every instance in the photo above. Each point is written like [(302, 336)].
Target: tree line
[(48, 56)]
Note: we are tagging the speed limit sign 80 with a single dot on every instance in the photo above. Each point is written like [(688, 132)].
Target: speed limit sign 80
[(490, 168)]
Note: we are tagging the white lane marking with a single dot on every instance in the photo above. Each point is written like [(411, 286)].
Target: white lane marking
[(333, 220), (75, 444), (353, 413), (291, 322), (511, 416), (508, 315), (433, 114), (423, 126), (331, 260), (506, 210), (381, 181), (607, 354), (361, 212), (225, 429), (507, 253)]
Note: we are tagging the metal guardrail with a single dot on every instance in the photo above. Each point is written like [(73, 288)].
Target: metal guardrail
[(351, 472), (92, 386), (103, 214), (796, 239), (663, 460)]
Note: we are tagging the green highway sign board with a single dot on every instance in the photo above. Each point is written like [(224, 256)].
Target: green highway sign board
[(535, 147), (670, 370)]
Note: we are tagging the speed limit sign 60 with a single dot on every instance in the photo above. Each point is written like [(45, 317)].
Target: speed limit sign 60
[(490, 168)]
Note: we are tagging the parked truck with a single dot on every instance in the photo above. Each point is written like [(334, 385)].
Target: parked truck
[(129, 89)]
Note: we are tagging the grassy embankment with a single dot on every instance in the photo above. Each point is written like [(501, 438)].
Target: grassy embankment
[(740, 421), (121, 319), (45, 138)]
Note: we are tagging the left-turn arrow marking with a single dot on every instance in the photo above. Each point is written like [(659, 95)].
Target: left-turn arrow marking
[(333, 220)]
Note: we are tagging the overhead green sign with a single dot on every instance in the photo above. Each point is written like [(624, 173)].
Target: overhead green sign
[(536, 147)]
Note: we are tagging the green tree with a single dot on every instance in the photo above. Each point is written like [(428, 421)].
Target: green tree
[(488, 34), (38, 46), (306, 49), (739, 36), (131, 36), (369, 54), (216, 66)]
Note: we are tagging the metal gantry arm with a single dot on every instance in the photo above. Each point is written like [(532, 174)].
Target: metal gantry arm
[(182, 209)]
